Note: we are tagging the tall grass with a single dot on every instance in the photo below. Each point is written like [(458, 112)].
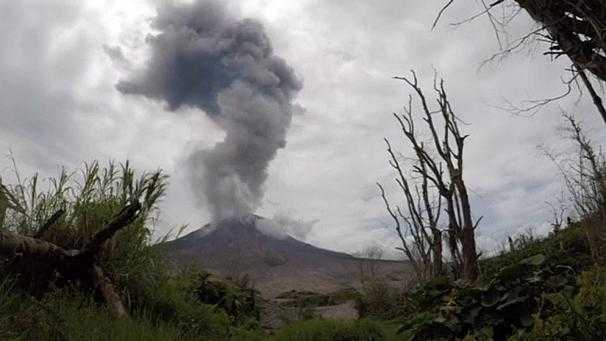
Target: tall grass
[(162, 304), (89, 198), (66, 315)]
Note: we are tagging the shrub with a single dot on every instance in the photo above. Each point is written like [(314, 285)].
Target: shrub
[(569, 246), (173, 300), (380, 300), (331, 330), (66, 315), (552, 294), (89, 201), (585, 181), (566, 316), (239, 301), (162, 305)]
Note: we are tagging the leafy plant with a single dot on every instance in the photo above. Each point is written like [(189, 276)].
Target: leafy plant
[(162, 304), (240, 302), (537, 296)]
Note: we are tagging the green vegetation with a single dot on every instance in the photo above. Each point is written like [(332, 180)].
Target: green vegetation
[(239, 301), (542, 289), (329, 330), (549, 290), (69, 316), (161, 305)]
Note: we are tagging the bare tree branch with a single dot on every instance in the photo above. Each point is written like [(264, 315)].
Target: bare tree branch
[(123, 218), (72, 264)]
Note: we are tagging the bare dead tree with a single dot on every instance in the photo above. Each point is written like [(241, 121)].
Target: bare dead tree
[(586, 183), (81, 266), (597, 100), (445, 151), (417, 243), (573, 28), (421, 215)]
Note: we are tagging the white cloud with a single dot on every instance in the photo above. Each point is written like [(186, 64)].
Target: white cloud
[(59, 106)]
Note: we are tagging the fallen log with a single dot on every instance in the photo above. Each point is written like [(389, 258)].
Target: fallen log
[(73, 265)]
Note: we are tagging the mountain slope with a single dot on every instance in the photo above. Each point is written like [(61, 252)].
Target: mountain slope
[(274, 263)]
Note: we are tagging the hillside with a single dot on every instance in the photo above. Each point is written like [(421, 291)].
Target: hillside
[(274, 264)]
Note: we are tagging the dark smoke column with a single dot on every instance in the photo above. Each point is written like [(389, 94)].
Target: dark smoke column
[(205, 58)]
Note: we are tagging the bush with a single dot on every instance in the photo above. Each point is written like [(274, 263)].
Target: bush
[(66, 315), (239, 301), (575, 317), (162, 305), (552, 294), (173, 300), (569, 246), (380, 300), (89, 201), (331, 330), (169, 312)]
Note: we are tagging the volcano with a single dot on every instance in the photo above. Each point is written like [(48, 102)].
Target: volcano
[(275, 262)]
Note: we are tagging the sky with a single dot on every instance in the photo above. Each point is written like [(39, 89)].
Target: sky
[(60, 62)]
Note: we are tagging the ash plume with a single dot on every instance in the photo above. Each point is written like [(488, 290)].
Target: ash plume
[(204, 57)]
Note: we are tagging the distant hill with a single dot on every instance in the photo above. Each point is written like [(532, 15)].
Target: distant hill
[(275, 264)]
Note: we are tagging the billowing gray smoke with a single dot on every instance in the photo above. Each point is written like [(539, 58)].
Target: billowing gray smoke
[(205, 58)]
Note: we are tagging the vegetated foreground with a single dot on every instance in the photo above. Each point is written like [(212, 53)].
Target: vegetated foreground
[(551, 289), (547, 289)]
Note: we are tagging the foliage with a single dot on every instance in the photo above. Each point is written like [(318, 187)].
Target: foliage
[(380, 300), (68, 316), (89, 201), (540, 292), (570, 246), (240, 301), (564, 316), (162, 304), (168, 311), (174, 301), (331, 330)]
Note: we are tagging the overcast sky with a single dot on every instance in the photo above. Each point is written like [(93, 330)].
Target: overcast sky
[(61, 60)]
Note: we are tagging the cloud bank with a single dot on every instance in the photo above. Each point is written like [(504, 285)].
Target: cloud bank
[(60, 61)]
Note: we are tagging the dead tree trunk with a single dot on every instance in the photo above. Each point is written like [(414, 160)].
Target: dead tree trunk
[(468, 239), (576, 28), (80, 265), (448, 143)]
